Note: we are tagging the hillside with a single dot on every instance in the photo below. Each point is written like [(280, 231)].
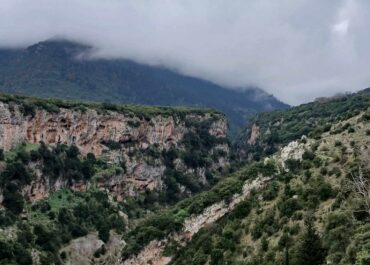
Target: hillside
[(68, 169), (306, 204), (95, 183), (52, 69), (267, 132)]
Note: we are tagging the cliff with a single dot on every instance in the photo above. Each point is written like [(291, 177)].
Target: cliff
[(136, 139)]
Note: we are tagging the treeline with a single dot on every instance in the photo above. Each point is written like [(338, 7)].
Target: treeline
[(29, 105)]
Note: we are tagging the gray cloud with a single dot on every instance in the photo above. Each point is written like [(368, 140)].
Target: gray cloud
[(295, 49)]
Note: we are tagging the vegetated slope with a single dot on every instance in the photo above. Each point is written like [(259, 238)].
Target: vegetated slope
[(148, 147), (270, 130), (74, 175), (309, 206), (57, 69)]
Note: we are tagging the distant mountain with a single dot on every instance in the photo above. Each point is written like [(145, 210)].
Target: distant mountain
[(366, 90), (59, 69)]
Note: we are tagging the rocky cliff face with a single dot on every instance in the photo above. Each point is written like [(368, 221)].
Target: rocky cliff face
[(118, 137)]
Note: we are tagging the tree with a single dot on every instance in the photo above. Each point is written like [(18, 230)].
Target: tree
[(13, 201), (264, 244), (286, 254), (362, 188), (363, 258), (2, 157), (310, 250)]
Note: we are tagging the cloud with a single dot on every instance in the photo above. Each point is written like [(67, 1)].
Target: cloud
[(294, 49)]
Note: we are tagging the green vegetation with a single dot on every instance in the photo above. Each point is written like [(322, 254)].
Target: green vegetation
[(28, 106), (171, 220), (49, 69), (309, 214), (279, 127), (55, 221)]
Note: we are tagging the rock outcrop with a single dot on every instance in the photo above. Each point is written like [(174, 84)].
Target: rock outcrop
[(153, 252), (92, 130), (254, 134)]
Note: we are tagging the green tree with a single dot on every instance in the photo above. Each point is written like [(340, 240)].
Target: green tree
[(310, 250), (286, 258), (363, 258)]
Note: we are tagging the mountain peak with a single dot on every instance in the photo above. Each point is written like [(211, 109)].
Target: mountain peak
[(57, 47), (50, 69)]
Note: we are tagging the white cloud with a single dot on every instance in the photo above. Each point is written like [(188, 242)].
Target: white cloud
[(341, 27), (295, 49)]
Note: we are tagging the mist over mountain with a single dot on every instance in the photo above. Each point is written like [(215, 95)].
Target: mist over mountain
[(64, 69)]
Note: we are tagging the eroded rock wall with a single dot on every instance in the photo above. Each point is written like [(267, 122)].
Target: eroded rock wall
[(91, 129)]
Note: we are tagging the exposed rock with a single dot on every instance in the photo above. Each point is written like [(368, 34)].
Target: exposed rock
[(90, 129), (254, 134), (153, 252), (294, 150), (81, 251)]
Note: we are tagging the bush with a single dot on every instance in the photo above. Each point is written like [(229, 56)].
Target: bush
[(15, 172), (310, 250), (287, 207), (13, 201), (271, 192), (112, 145), (2, 157), (325, 191), (293, 165), (351, 130), (308, 155), (104, 233), (324, 171)]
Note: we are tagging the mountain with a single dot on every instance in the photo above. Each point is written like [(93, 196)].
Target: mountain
[(268, 131), (71, 169), (62, 69), (98, 183), (306, 203)]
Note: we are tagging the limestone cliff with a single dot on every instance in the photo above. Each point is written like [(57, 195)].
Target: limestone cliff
[(120, 137)]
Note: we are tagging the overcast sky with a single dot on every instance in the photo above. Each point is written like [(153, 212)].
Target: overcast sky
[(295, 49)]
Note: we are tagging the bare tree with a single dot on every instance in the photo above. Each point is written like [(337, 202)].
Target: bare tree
[(361, 186)]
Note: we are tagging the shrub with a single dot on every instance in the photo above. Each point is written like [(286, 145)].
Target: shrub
[(169, 157), (293, 165), (2, 157), (272, 191), (351, 130), (13, 201), (325, 191), (104, 233), (289, 206), (310, 250), (308, 155), (324, 171), (112, 145), (338, 231)]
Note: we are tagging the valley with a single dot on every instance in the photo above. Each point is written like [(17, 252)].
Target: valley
[(98, 183)]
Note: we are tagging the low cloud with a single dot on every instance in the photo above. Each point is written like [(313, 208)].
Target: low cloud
[(295, 49)]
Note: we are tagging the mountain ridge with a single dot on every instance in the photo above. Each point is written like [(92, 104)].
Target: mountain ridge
[(60, 69)]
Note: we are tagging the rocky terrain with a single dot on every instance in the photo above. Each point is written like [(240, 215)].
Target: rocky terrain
[(120, 138), (107, 184)]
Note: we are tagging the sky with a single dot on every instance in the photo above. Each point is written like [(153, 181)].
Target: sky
[(297, 50)]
